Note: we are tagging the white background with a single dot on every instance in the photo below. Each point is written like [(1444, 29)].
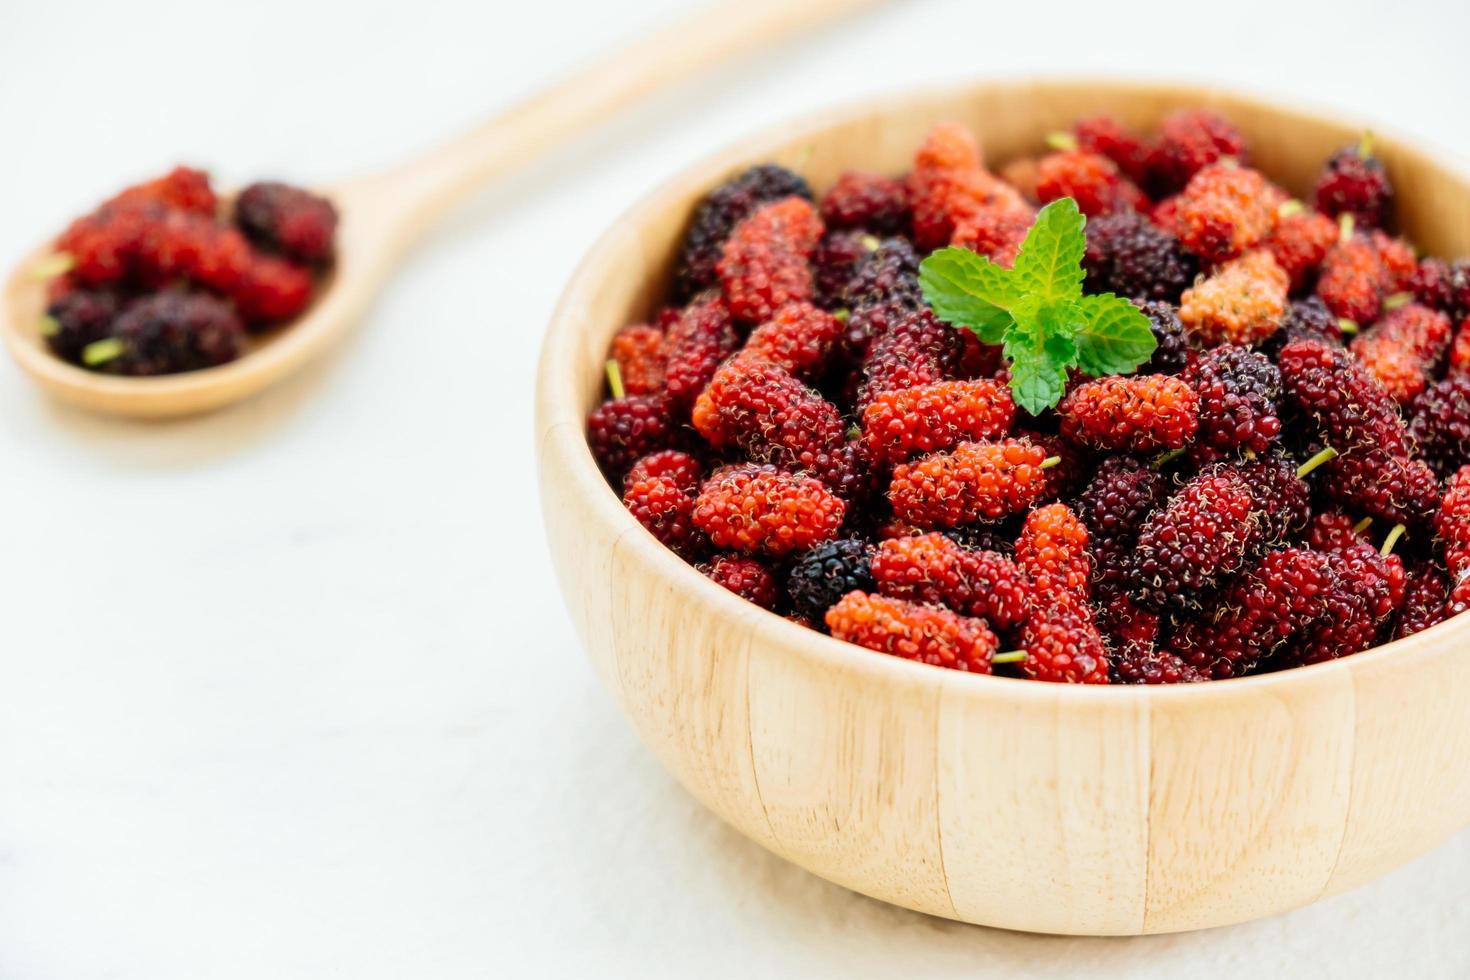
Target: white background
[(288, 691)]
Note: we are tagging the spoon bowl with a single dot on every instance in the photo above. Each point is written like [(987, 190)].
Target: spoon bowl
[(383, 214), (366, 252)]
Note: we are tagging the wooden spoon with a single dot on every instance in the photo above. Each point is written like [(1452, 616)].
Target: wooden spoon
[(383, 214)]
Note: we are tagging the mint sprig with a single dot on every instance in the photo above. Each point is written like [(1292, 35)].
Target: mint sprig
[(1036, 311)]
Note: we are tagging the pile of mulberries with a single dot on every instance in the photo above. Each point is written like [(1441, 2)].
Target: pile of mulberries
[(162, 278), (1285, 480)]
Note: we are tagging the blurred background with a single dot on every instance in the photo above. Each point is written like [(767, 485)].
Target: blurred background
[(288, 691)]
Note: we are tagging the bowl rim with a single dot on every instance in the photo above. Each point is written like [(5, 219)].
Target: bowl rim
[(560, 426)]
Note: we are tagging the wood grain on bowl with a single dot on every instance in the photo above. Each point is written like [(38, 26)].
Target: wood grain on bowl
[(991, 800)]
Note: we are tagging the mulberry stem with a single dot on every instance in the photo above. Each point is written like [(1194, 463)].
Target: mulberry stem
[(52, 266), (1322, 456), (1392, 539), (1009, 657), (1062, 141), (614, 379), (1164, 459), (102, 351)]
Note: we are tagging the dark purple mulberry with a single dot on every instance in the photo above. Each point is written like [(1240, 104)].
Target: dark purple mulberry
[(1172, 353), (294, 222), (77, 318), (1131, 257), (1239, 393), (1439, 422), (827, 573), (169, 332)]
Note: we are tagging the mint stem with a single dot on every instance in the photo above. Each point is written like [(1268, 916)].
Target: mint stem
[(1392, 539), (614, 379), (1322, 456)]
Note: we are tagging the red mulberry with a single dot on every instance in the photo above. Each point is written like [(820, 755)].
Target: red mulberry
[(1090, 179), (1300, 242), (1197, 540), (1365, 591), (919, 349), (698, 341), (1135, 414), (1224, 212), (1404, 349), (1063, 644), (639, 352), (867, 201), (621, 430), (1426, 587), (679, 466), (977, 481), (761, 510), (799, 338), (1188, 141), (899, 425), (932, 568), (1107, 136), (1052, 551), (927, 634), (1352, 280), (1121, 496), (765, 263), (1263, 609), (666, 509), (745, 577), (1354, 182), (772, 417)]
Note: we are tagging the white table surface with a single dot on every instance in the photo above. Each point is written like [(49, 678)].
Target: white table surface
[(288, 691)]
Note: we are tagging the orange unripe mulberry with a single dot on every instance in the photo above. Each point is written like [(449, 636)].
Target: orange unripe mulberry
[(1244, 302)]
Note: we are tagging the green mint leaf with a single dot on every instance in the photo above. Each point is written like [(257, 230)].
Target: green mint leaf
[(968, 290), (1050, 264), (1041, 350), (1115, 337)]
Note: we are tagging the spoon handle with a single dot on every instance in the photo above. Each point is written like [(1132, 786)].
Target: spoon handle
[(425, 188)]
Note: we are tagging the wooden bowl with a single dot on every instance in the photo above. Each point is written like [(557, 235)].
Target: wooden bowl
[(1011, 803)]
